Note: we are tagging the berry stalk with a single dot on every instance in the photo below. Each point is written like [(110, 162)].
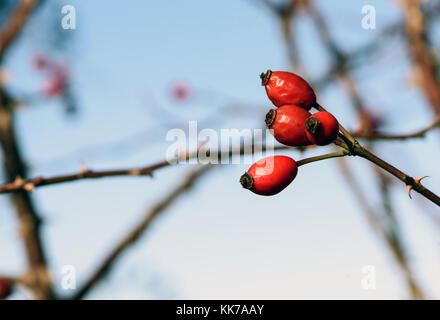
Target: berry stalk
[(337, 154)]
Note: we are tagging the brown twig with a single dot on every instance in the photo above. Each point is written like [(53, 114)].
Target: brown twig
[(353, 145), (30, 184), (357, 150), (15, 23), (343, 72), (28, 218), (20, 184), (135, 234), (343, 61), (405, 178), (424, 62), (385, 136), (285, 16)]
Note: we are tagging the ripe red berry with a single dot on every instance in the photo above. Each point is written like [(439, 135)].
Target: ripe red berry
[(5, 288), (270, 175), (288, 88), (288, 125), (322, 128)]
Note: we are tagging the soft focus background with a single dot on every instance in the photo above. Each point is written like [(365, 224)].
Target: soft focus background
[(136, 69)]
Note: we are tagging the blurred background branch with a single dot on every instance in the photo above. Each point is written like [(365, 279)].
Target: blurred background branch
[(14, 165), (131, 238)]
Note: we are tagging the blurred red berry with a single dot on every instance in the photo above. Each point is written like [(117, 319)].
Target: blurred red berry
[(39, 62), (5, 288), (288, 125), (62, 68), (288, 88), (322, 128), (181, 92), (54, 85), (270, 175)]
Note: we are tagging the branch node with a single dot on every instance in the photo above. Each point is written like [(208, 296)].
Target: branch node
[(83, 168), (19, 182), (409, 187), (135, 172), (29, 186)]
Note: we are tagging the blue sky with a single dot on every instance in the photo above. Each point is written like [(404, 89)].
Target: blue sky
[(218, 241)]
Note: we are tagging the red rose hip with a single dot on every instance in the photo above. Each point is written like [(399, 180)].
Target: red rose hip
[(288, 88), (270, 175), (288, 125), (322, 128)]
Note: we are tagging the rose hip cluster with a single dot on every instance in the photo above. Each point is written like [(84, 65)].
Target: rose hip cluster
[(291, 124)]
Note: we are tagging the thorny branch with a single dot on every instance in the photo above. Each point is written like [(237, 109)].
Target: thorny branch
[(20, 184), (355, 148), (30, 184), (341, 70), (352, 145)]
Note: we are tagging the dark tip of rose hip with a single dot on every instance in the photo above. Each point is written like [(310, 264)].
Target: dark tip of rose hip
[(265, 77), (270, 117), (246, 181), (312, 125)]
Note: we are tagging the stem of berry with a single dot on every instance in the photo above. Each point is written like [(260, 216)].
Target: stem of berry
[(347, 134), (351, 145), (337, 154)]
